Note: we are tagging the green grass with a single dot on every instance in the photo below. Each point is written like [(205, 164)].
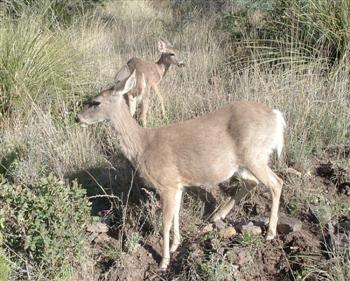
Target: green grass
[(4, 267)]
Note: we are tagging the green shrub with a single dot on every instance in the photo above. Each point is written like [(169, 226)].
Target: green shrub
[(36, 66), (52, 12), (4, 266), (43, 224), (277, 28)]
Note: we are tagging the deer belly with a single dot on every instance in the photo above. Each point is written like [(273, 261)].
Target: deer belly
[(211, 173)]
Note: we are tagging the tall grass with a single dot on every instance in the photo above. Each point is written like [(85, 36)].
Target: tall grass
[(37, 66)]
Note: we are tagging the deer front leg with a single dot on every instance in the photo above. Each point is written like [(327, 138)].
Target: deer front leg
[(169, 208), (144, 109), (160, 97)]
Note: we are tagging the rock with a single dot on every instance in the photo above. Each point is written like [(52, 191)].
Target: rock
[(219, 224), (344, 188), (293, 171), (286, 224), (251, 228), (207, 228), (97, 227), (261, 221), (227, 232)]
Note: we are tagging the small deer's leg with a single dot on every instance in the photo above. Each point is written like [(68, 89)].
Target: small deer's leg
[(177, 236), (160, 97), (271, 180), (144, 107), (169, 208)]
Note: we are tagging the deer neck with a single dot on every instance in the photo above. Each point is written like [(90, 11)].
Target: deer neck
[(162, 65), (130, 133)]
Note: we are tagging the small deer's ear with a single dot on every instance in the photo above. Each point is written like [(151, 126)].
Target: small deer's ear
[(162, 46)]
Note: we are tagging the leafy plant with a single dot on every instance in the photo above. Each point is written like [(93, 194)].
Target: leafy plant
[(215, 268), (307, 28), (248, 239), (4, 266), (44, 223), (52, 12)]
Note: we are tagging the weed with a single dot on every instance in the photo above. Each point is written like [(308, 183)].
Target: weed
[(37, 227), (216, 267), (248, 239)]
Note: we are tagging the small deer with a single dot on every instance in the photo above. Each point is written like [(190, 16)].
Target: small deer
[(237, 139), (148, 75)]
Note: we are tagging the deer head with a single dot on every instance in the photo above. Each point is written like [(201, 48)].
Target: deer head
[(101, 107), (168, 53)]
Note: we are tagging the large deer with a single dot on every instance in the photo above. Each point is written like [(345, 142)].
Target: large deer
[(148, 76), (238, 138)]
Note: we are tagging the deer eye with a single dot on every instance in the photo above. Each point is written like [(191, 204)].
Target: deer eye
[(94, 103), (172, 54)]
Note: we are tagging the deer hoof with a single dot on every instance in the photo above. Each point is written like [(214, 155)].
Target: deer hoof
[(270, 236), (164, 264)]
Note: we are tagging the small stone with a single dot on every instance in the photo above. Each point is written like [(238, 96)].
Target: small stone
[(97, 227), (261, 221), (227, 232), (207, 228), (251, 228), (286, 224), (293, 171), (344, 188), (219, 224)]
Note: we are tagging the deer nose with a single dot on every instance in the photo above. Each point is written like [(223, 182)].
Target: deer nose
[(77, 119)]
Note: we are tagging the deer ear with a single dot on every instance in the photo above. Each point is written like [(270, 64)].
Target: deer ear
[(122, 87), (162, 46), (130, 82), (122, 74)]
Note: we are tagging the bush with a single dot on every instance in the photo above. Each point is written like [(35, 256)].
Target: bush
[(43, 224), (311, 28), (52, 12), (4, 266), (36, 66)]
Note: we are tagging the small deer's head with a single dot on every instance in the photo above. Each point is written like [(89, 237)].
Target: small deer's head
[(169, 54), (101, 107)]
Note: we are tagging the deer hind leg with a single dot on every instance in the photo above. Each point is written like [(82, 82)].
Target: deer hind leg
[(169, 207), (160, 97), (242, 192), (271, 180)]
